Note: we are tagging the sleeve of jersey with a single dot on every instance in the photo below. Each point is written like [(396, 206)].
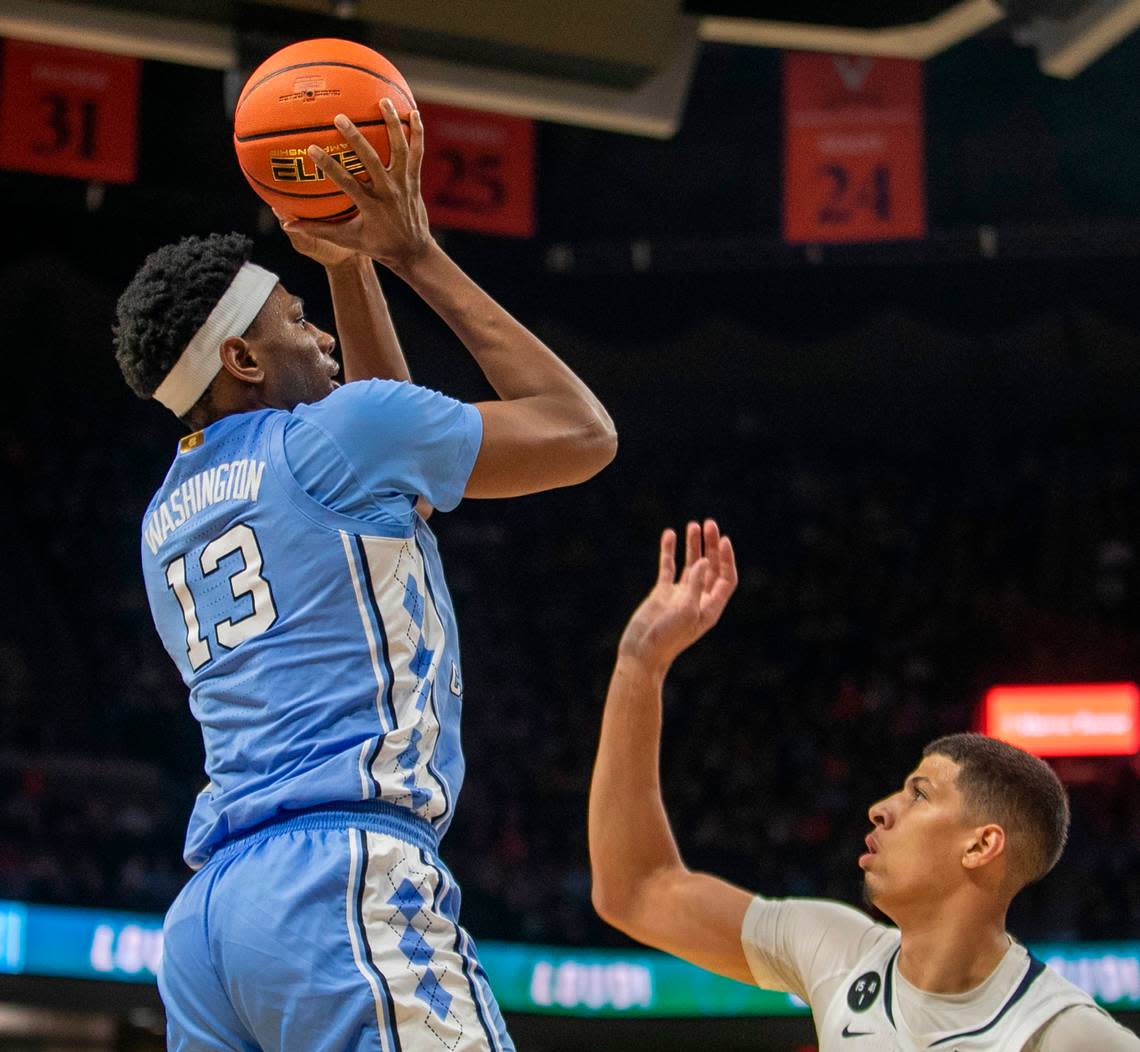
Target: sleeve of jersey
[(1080, 1028), (796, 945), (397, 437)]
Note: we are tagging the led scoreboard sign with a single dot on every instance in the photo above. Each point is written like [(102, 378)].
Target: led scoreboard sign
[(127, 947), (1069, 719)]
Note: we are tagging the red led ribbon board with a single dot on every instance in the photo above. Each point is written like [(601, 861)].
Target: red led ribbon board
[(853, 148), (69, 112), (478, 170), (1071, 719)]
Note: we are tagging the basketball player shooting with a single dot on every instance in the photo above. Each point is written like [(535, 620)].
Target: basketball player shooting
[(302, 598), (975, 822)]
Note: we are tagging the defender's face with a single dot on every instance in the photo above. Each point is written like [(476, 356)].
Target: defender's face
[(295, 354), (914, 853)]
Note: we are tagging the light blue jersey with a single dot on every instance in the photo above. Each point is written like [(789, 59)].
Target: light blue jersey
[(303, 600)]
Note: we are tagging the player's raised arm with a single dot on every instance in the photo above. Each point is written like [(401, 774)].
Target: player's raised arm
[(370, 348), (548, 430), (640, 883)]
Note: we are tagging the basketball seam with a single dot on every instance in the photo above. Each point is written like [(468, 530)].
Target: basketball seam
[(334, 215), (344, 213), (312, 128), (304, 65), (286, 193)]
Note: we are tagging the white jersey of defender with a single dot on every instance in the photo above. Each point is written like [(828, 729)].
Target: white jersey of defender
[(844, 966)]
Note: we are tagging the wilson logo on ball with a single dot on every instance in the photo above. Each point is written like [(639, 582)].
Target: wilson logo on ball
[(309, 89)]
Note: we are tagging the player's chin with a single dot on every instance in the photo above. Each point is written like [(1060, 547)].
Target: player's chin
[(872, 893)]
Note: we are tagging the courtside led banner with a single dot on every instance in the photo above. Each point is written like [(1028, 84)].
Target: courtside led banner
[(69, 112), (1069, 719), (853, 148), (127, 947)]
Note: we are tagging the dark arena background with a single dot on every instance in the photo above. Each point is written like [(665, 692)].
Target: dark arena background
[(890, 340)]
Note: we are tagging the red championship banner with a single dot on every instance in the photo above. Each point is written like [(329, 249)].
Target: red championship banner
[(478, 171), (853, 148), (1070, 719), (69, 112)]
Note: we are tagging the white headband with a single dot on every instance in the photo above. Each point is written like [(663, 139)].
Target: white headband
[(199, 363)]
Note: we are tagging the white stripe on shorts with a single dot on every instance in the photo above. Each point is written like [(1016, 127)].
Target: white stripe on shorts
[(413, 946), (389, 1041), (464, 947)]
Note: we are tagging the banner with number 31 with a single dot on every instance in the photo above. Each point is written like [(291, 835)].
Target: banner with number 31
[(69, 112)]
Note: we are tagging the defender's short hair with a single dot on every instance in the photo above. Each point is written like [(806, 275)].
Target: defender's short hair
[(1004, 784), (168, 300)]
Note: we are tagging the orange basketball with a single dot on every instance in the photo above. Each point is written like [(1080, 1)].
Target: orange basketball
[(289, 103)]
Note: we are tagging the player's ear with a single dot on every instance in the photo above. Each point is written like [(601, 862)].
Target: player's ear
[(985, 845), (241, 360)]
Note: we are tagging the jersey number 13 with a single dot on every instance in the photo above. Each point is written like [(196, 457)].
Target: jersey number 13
[(245, 581)]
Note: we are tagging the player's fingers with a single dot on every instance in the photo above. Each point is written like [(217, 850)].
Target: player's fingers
[(696, 582), (397, 144), (364, 150), (335, 173), (344, 234), (711, 538), (721, 589), (416, 150), (667, 564), (692, 545), (728, 562)]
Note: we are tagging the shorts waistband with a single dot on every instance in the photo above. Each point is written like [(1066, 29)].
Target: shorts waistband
[(375, 816)]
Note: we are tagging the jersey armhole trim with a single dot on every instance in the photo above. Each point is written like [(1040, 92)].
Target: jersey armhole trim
[(312, 508), (332, 440)]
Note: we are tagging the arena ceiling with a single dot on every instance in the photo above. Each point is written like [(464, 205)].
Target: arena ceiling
[(624, 65)]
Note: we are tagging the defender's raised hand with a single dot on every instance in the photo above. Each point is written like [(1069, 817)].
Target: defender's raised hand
[(391, 223), (676, 613)]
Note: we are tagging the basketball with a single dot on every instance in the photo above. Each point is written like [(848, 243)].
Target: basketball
[(289, 102)]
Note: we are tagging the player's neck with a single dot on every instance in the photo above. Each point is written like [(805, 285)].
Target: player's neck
[(228, 397), (949, 952)]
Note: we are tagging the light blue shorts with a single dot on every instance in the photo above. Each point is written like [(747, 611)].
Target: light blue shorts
[(335, 929)]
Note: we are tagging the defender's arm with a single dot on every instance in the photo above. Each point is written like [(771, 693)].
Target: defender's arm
[(640, 883)]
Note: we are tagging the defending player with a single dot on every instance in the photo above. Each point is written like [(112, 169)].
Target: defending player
[(974, 823), (302, 598)]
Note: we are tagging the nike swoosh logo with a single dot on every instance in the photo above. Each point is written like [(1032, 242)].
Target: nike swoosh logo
[(854, 1033)]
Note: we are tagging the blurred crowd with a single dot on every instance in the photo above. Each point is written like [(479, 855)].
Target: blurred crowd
[(874, 611), (902, 548)]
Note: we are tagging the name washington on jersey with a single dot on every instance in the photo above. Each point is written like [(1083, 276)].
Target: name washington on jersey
[(236, 480)]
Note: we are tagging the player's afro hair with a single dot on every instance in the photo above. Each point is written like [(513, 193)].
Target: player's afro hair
[(168, 300)]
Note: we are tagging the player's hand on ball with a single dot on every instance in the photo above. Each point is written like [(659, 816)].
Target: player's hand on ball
[(319, 249), (391, 223), (678, 612)]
